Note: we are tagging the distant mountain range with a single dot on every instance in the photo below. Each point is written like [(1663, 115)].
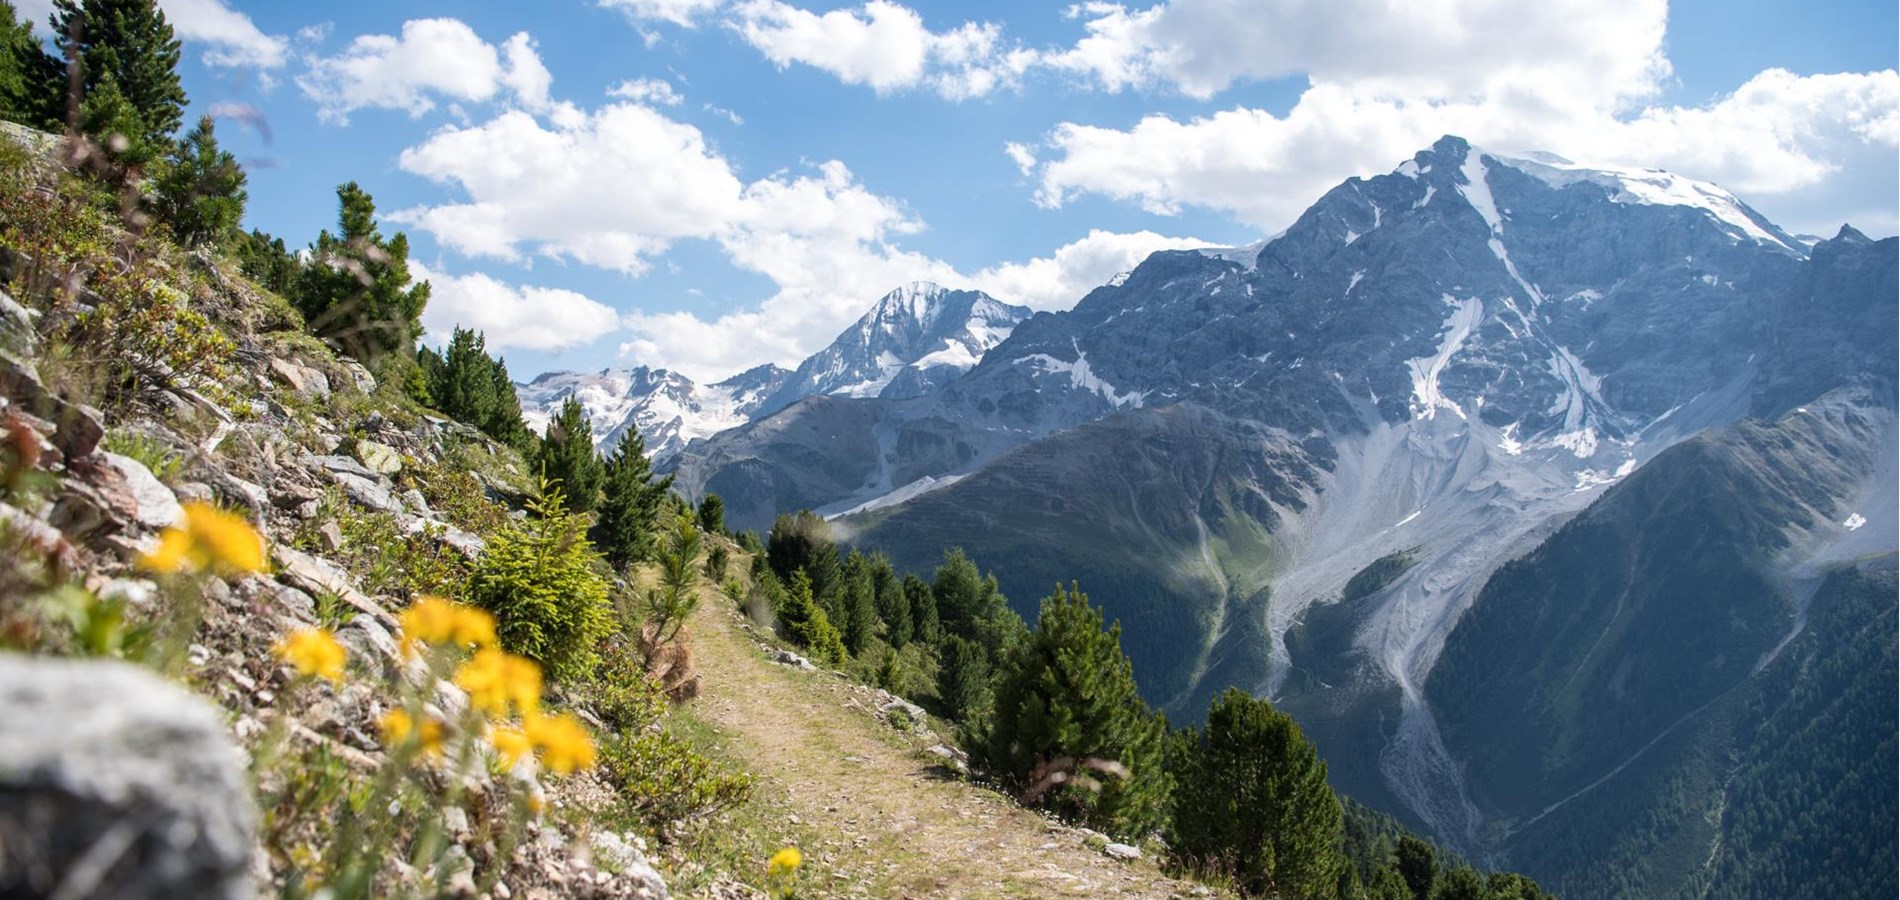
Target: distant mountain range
[(913, 341), (1550, 499)]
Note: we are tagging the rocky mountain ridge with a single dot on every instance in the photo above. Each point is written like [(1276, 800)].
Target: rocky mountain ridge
[(1440, 365), (911, 342)]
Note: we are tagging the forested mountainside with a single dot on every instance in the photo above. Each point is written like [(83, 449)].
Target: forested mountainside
[(1351, 468)]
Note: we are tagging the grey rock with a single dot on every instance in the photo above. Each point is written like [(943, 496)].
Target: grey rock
[(17, 331), (367, 492), (194, 492), (340, 465), (417, 503), (78, 428), (370, 642), (1121, 851), (359, 374), (306, 381), (787, 657), (155, 505), (126, 786), (317, 576), (237, 492), (379, 458)]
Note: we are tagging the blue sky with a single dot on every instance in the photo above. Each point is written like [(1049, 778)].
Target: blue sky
[(711, 184)]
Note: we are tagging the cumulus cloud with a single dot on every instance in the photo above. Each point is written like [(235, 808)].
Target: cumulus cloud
[(229, 36), (884, 46), (1588, 50), (1060, 279), (432, 59), (611, 188), (1792, 145), (651, 91), (510, 316), (684, 13)]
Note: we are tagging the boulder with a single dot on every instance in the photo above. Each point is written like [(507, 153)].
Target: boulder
[(317, 576), (379, 458), (1122, 851), (124, 786), (17, 332), (78, 428), (305, 381), (154, 504), (365, 382)]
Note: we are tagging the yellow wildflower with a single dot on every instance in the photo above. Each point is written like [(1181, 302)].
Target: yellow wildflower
[(511, 744), (208, 538), (433, 620), (495, 680), (785, 863), (314, 651), (563, 742), (399, 728)]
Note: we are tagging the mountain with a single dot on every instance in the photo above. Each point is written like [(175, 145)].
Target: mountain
[(917, 338), (913, 341), (666, 408), (1343, 470)]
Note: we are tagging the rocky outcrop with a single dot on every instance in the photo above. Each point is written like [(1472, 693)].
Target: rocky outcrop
[(123, 786)]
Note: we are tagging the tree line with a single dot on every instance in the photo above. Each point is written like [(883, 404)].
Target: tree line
[(1052, 714)]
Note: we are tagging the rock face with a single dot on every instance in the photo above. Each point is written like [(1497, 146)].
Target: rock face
[(913, 341), (123, 786)]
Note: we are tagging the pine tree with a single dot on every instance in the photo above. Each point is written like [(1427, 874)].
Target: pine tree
[(201, 188), (893, 608), (32, 81), (265, 260), (802, 621), (1253, 798), (964, 681), (129, 44), (1070, 731), (112, 122), (712, 514), (356, 291), (469, 386), (567, 458), (860, 604), (803, 542), (630, 503), (924, 623), (1418, 865)]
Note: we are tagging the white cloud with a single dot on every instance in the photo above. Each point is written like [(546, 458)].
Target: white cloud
[(1060, 279), (1586, 49), (610, 188), (233, 39), (1813, 140), (431, 58), (510, 316), (884, 46), (650, 91), (684, 13)]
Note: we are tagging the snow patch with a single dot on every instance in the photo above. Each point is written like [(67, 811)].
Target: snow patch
[(1356, 277), (1414, 515), (1655, 187), (1508, 442), (1427, 399), (1591, 478), (1082, 377), (921, 486), (1854, 522)]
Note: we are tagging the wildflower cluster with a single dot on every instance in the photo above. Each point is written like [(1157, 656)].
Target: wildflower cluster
[(314, 652), (209, 538), (781, 872), (499, 684)]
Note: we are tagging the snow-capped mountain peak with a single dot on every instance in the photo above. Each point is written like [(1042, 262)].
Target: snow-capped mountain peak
[(913, 339)]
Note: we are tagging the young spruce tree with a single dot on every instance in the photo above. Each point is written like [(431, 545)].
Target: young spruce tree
[(630, 502), (129, 44), (566, 457), (1067, 714), (201, 188), (355, 292), (1252, 800), (32, 81)]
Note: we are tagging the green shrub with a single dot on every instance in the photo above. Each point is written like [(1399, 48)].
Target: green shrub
[(718, 558), (622, 694), (148, 450), (661, 779), (546, 587), (805, 624)]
